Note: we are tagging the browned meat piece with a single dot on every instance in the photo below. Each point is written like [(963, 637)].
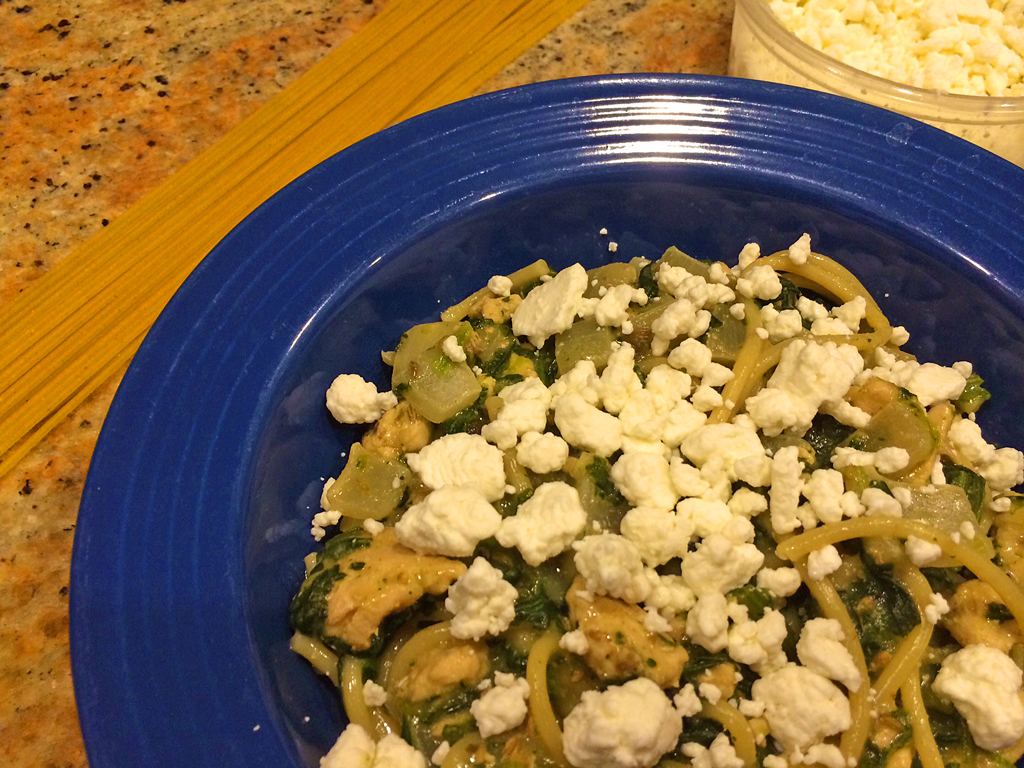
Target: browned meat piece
[(393, 577), (399, 431), (620, 645)]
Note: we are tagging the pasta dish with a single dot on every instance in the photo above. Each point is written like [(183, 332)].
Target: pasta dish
[(669, 513)]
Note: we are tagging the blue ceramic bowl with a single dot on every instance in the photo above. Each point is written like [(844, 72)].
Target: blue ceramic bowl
[(196, 514)]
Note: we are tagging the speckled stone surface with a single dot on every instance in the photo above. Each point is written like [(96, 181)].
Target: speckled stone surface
[(101, 101)]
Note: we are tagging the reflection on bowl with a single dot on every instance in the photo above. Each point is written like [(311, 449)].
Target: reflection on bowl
[(763, 49), (196, 514)]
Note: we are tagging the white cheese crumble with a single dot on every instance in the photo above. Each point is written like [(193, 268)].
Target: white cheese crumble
[(960, 46), (502, 706), (353, 400), (822, 562), (450, 521), (374, 695), (355, 749), (545, 524), (821, 650), (574, 642), (802, 707), (611, 565), (984, 685), (500, 285), (461, 460), (481, 602), (453, 350), (625, 726), (551, 307)]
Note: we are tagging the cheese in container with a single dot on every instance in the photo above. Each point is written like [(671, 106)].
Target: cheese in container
[(957, 65)]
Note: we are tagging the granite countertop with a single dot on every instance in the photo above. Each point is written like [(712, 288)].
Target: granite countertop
[(100, 102)]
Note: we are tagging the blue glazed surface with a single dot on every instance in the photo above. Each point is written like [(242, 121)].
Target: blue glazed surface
[(196, 513)]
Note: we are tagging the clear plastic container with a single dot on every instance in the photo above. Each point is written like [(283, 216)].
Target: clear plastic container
[(763, 49)]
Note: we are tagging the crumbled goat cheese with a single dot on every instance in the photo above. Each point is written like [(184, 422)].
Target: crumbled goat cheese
[(931, 383), (503, 706), (625, 726), (802, 707), (374, 695), (781, 325), (704, 516), (581, 379), (669, 594), (705, 399), (611, 565), (586, 427), (783, 582), (720, 565), (937, 608), (644, 479), (453, 350), (984, 685), (921, 552), (719, 450), (822, 562), (440, 753), (886, 460), (784, 495), (878, 503), (826, 755), (821, 650), (759, 643), (721, 754), (659, 534), (686, 702), (372, 527), (481, 602), (747, 503), (808, 374), (612, 308), (1002, 468), (574, 642), (711, 692), (707, 623), (542, 452), (810, 309), (692, 356), (800, 251), (829, 502), (681, 318), (619, 380), (551, 307), (450, 521), (352, 400), (355, 749), (759, 282), (500, 285), (545, 524), (964, 47), (461, 460)]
